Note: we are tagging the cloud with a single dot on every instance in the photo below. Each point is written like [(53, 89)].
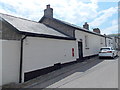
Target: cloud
[(103, 16), (112, 29), (24, 8), (73, 11), (69, 10), (114, 22), (76, 12)]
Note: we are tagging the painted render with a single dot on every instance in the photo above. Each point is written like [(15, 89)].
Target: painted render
[(10, 61), (95, 40), (94, 43), (61, 48), (115, 42), (43, 49), (43, 52)]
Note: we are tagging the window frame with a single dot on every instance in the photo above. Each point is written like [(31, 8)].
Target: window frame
[(86, 42)]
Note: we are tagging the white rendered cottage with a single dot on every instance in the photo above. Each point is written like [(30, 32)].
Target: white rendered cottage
[(88, 42), (30, 49)]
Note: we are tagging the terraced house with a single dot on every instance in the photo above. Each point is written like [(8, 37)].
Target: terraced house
[(88, 42), (30, 49)]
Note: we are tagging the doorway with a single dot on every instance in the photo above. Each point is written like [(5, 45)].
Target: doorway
[(80, 51)]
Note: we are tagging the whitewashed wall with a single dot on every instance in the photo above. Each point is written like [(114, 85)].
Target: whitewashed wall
[(0, 62), (94, 42), (109, 44), (44, 52), (10, 61), (114, 43)]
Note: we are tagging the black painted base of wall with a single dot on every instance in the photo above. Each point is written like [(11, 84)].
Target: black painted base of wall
[(85, 58), (39, 72), (88, 57)]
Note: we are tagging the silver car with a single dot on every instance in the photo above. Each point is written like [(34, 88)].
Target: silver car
[(108, 52)]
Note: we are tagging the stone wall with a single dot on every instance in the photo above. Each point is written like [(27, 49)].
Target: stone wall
[(59, 26), (8, 32)]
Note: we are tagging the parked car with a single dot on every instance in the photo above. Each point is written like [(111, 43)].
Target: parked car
[(107, 52)]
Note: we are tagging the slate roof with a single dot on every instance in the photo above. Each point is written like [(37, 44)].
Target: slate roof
[(75, 26), (28, 26)]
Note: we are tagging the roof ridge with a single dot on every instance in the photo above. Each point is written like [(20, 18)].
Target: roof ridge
[(19, 17), (75, 26), (38, 30)]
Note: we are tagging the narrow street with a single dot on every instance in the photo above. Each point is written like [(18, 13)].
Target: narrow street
[(102, 75), (99, 73)]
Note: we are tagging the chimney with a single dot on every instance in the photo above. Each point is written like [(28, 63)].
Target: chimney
[(86, 26), (97, 30), (104, 34), (48, 12)]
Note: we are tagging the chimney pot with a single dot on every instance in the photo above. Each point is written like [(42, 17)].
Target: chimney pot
[(86, 26), (48, 12), (97, 30), (48, 6)]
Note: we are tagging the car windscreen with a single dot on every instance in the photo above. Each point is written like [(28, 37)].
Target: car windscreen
[(104, 49)]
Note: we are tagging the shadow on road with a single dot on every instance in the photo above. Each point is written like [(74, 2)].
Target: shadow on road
[(69, 70), (109, 58)]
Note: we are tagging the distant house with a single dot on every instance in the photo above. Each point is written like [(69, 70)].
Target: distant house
[(88, 43), (115, 41), (30, 49)]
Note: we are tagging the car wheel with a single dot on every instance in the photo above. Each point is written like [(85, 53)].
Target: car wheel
[(113, 56), (117, 54)]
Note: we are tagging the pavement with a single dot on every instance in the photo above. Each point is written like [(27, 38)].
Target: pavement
[(97, 73)]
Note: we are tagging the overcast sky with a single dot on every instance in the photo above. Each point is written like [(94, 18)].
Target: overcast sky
[(101, 14)]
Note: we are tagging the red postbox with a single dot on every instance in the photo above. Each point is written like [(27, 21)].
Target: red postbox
[(73, 52)]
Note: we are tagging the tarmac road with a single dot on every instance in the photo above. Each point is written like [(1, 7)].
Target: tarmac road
[(93, 73), (101, 75)]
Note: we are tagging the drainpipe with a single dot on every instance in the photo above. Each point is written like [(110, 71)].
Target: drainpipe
[(21, 59), (105, 42)]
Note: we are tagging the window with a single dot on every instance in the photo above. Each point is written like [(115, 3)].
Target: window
[(86, 42), (101, 41), (116, 40), (104, 49), (109, 42)]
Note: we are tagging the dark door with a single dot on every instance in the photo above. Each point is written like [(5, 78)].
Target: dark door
[(80, 51)]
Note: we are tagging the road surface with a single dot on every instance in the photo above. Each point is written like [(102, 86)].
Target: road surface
[(102, 75), (99, 73)]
